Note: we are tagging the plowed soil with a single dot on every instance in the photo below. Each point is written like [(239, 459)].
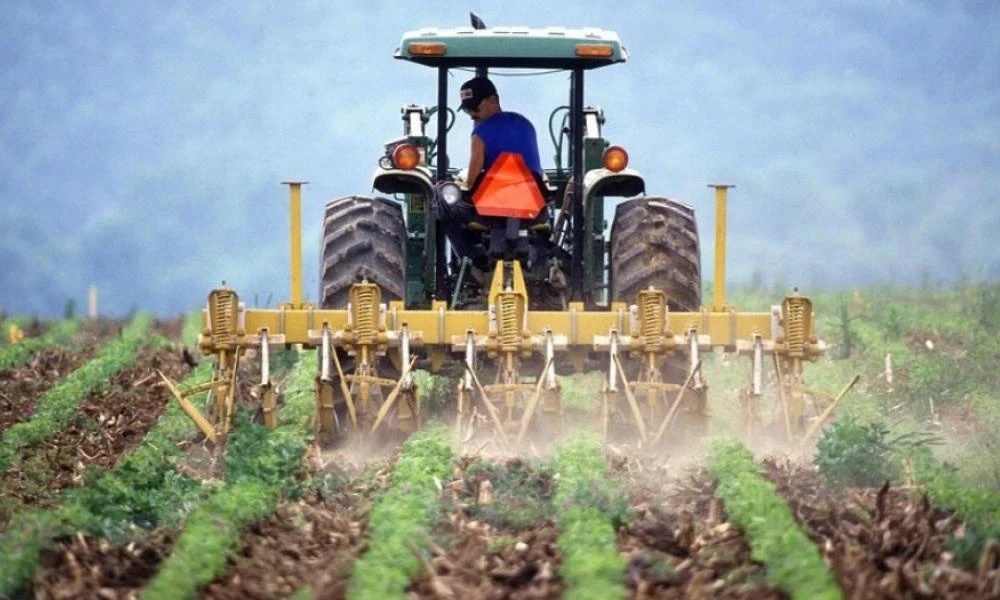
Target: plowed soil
[(108, 424), (884, 543), (22, 386)]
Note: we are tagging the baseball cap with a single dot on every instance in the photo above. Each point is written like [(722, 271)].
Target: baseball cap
[(475, 90)]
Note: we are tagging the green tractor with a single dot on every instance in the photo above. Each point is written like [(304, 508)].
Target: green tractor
[(395, 239), (560, 296)]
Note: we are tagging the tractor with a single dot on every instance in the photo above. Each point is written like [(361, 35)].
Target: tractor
[(560, 295)]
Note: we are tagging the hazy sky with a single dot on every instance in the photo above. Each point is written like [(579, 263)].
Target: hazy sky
[(142, 143)]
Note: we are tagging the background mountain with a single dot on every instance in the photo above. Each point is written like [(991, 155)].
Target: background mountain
[(142, 144)]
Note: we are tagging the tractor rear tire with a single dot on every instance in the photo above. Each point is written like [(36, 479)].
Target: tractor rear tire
[(364, 238), (654, 242)]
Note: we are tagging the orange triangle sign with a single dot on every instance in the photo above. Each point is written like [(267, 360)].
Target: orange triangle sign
[(508, 190)]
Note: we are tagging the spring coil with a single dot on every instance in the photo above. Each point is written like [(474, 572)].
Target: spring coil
[(651, 320), (223, 318), (795, 323), (364, 320), (509, 328)]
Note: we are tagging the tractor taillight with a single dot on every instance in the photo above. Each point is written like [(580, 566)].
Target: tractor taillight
[(406, 156), (615, 159), (427, 49), (594, 50)]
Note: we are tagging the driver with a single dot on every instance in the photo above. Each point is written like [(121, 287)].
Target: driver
[(494, 131)]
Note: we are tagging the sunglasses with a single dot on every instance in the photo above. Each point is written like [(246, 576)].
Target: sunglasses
[(473, 109)]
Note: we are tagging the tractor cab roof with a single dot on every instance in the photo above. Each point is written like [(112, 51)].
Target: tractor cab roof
[(514, 47)]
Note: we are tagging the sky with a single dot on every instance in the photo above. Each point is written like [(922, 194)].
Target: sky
[(142, 145)]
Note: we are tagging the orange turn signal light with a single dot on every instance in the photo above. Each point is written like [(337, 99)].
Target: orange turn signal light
[(428, 48), (615, 159), (594, 50), (406, 156)]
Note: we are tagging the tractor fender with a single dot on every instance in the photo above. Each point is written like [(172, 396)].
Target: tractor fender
[(602, 182), (400, 181)]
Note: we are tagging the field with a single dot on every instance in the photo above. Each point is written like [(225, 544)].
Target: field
[(110, 492)]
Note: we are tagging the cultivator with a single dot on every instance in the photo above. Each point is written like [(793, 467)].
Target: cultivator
[(559, 297), (524, 349)]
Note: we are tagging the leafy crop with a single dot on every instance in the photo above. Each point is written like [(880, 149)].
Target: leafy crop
[(56, 408), (400, 520), (60, 333), (144, 490), (979, 508), (522, 493), (793, 562), (589, 510), (260, 466)]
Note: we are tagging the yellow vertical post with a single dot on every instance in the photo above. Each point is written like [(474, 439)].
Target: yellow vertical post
[(295, 210), (719, 285)]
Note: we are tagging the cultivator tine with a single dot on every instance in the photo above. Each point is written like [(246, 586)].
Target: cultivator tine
[(269, 402), (633, 405), (529, 410), (351, 411), (677, 402), (391, 399), (195, 415), (826, 413), (490, 408)]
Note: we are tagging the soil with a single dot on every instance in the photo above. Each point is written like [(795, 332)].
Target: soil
[(677, 541), (108, 424)]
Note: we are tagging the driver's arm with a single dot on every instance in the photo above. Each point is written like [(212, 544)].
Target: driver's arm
[(477, 157)]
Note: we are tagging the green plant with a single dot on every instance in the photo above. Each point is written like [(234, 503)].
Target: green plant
[(262, 466), (855, 454), (56, 408), (589, 508), (400, 520), (793, 562)]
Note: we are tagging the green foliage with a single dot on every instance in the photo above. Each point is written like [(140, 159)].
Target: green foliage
[(56, 408), (522, 493), (589, 508), (401, 518), (261, 467), (979, 508), (854, 454), (581, 391), (191, 329), (793, 562), (144, 489), (59, 334), (432, 390), (210, 535)]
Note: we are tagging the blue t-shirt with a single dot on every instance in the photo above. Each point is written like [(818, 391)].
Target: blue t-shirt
[(508, 132)]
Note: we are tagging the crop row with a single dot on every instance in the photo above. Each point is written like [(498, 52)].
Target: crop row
[(400, 520), (56, 408), (588, 509), (793, 562), (59, 334), (144, 490), (259, 466)]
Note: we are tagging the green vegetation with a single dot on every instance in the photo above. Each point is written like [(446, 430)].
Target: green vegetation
[(522, 492), (59, 334), (401, 519), (850, 453), (56, 408), (262, 466), (979, 508), (793, 562), (144, 489), (590, 509)]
